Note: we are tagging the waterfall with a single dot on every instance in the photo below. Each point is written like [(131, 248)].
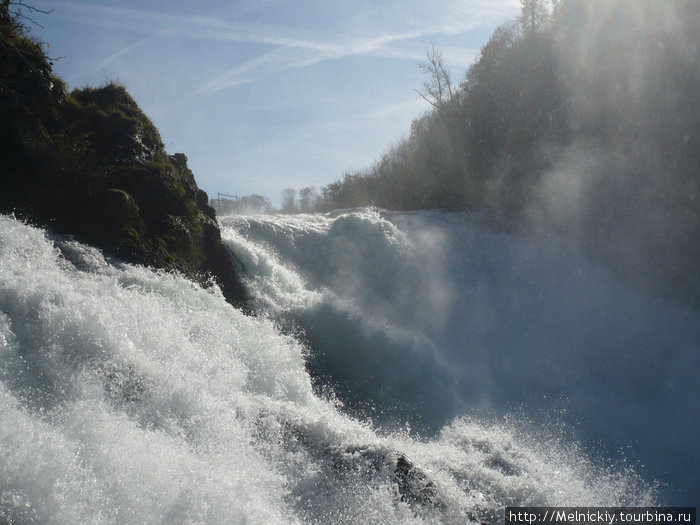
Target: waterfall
[(376, 385)]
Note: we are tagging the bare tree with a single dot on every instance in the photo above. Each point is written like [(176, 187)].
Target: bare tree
[(18, 10), (437, 91)]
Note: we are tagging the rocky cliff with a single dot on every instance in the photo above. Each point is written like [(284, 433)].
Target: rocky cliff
[(90, 163)]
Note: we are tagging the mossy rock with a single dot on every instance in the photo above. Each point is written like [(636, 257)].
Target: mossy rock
[(121, 210), (117, 128), (92, 164)]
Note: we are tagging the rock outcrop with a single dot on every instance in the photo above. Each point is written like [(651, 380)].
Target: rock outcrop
[(90, 163)]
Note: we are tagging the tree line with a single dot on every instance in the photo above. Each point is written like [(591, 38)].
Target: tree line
[(487, 141)]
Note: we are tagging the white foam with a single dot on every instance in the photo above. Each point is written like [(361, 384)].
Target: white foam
[(427, 316), (134, 396)]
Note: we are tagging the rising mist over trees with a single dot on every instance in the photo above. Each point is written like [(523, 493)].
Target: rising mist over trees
[(613, 76), (579, 117)]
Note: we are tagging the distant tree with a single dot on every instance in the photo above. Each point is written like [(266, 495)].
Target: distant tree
[(437, 90), (331, 196), (534, 15), (308, 199), (289, 201), (260, 204), (252, 204)]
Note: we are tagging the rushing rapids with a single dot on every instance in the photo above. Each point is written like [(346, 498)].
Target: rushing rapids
[(134, 396), (423, 317)]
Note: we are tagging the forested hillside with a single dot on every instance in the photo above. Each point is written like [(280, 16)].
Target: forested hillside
[(581, 118)]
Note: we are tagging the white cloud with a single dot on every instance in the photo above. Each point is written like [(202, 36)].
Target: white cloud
[(298, 54), (386, 29), (106, 61)]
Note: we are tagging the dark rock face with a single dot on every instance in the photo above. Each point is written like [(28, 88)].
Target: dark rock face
[(414, 485), (91, 163)]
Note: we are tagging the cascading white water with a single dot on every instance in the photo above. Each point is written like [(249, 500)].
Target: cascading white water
[(129, 395), (423, 317)]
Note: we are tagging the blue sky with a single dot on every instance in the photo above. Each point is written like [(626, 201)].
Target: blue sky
[(269, 94)]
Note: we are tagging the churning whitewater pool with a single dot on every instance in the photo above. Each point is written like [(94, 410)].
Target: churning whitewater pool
[(388, 380)]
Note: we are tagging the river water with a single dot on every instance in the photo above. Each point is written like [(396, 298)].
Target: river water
[(403, 368)]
